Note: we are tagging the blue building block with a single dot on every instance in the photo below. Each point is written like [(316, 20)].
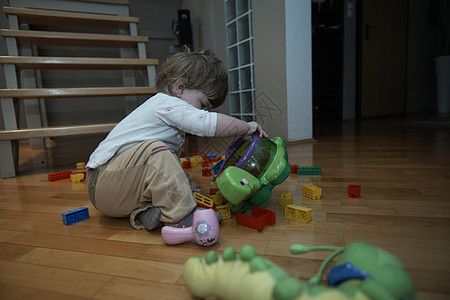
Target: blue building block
[(76, 215), (309, 171), (216, 167)]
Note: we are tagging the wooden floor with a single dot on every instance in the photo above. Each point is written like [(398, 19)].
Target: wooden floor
[(404, 173)]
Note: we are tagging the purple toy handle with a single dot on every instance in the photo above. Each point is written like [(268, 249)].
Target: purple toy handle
[(204, 230), (238, 142), (250, 151)]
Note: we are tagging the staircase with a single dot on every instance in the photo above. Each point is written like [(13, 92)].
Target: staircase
[(23, 65)]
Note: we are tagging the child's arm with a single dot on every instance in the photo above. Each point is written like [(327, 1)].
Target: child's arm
[(230, 126)]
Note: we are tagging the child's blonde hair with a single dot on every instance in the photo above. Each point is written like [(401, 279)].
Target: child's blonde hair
[(200, 70)]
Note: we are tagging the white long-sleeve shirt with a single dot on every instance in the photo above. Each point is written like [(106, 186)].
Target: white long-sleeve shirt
[(161, 117)]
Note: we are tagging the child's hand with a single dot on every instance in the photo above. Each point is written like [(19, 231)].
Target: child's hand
[(195, 187), (255, 127)]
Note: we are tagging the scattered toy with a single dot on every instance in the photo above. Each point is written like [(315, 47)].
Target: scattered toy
[(309, 171), (298, 213), (204, 230), (74, 216), (285, 199), (260, 218), (354, 191), (311, 191)]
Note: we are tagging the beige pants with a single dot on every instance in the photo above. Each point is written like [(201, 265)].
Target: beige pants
[(148, 174)]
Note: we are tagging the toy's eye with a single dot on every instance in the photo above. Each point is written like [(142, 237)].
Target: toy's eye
[(244, 181)]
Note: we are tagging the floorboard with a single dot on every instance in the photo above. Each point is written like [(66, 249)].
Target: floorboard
[(404, 173)]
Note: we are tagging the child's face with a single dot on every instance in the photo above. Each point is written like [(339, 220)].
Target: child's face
[(196, 98)]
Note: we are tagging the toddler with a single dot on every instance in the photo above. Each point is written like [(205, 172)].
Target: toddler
[(135, 171)]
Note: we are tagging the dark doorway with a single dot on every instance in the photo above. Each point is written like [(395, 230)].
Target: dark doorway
[(327, 54)]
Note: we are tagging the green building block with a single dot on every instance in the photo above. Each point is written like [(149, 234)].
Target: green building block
[(309, 170)]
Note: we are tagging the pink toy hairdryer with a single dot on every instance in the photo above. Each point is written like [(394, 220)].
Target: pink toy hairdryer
[(204, 230)]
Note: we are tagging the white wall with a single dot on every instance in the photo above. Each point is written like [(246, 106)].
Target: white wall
[(298, 69), (283, 74)]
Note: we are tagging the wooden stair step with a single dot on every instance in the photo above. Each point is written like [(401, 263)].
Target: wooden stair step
[(65, 18), (77, 63), (118, 2), (76, 92), (19, 134), (55, 38)]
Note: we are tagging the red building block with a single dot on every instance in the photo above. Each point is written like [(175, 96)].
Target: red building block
[(206, 172), (182, 154), (205, 161), (213, 191), (261, 217), (59, 175), (294, 169), (186, 164), (354, 191)]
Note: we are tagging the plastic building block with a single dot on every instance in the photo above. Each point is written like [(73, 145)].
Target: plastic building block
[(186, 164), (298, 213), (81, 166), (294, 169), (76, 215), (203, 201), (309, 171), (182, 154), (196, 160), (212, 155), (195, 154), (59, 175), (261, 217), (224, 210), (216, 167), (77, 177), (285, 199), (311, 191), (354, 190), (218, 198), (213, 191), (206, 172)]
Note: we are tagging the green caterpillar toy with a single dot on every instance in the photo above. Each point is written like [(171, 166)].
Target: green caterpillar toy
[(362, 272)]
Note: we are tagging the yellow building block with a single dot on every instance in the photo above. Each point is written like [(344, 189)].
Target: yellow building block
[(285, 199), (218, 199), (298, 213), (81, 166), (196, 161), (203, 201), (224, 210), (77, 177), (311, 191)]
